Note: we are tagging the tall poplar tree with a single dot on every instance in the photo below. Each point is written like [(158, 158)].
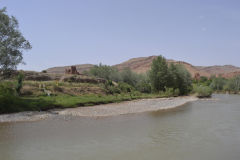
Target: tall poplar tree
[(159, 74)]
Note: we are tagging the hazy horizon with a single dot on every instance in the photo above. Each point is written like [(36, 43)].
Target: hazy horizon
[(202, 33)]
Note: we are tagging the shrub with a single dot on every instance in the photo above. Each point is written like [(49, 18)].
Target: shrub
[(8, 98), (124, 87), (7, 88), (44, 71), (19, 83), (171, 92), (233, 85), (104, 71), (203, 91), (218, 84), (129, 77), (144, 84)]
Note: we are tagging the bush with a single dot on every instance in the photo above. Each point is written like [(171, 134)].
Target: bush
[(144, 87), (203, 91), (19, 83), (171, 92), (218, 84), (129, 77), (8, 97), (124, 87), (233, 85), (7, 88), (105, 72), (44, 71)]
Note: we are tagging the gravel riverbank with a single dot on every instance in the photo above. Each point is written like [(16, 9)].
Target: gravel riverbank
[(136, 106)]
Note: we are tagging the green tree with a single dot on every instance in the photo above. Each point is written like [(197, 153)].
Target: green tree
[(184, 80), (159, 74), (172, 76), (179, 78), (218, 84), (129, 77), (12, 43), (233, 85), (143, 84)]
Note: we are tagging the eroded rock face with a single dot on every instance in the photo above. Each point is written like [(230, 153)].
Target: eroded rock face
[(72, 70)]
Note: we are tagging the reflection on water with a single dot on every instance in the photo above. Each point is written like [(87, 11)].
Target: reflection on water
[(199, 130)]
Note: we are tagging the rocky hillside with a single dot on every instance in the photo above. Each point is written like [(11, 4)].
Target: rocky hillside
[(143, 64), (217, 70)]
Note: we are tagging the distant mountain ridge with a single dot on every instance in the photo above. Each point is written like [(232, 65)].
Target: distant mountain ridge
[(143, 64)]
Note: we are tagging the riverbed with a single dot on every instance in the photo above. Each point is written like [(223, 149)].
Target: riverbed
[(202, 129)]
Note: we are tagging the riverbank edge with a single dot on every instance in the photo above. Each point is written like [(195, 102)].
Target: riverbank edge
[(29, 116)]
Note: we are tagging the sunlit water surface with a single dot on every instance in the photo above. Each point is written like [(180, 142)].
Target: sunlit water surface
[(205, 129)]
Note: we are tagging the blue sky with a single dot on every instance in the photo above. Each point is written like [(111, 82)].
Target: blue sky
[(66, 32)]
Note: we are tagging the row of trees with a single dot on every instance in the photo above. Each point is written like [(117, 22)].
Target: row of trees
[(220, 84), (112, 74), (161, 78), (127, 76)]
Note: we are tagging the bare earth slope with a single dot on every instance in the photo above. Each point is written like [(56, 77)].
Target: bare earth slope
[(216, 70)]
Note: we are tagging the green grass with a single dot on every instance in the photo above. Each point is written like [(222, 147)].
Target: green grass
[(43, 103), (67, 101)]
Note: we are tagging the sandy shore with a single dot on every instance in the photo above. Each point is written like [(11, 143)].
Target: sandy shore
[(136, 106)]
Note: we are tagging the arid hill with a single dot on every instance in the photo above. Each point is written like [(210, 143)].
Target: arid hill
[(217, 70), (143, 64)]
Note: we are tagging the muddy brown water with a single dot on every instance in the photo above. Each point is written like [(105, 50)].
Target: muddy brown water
[(204, 129)]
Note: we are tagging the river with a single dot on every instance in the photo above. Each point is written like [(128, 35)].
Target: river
[(204, 129)]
